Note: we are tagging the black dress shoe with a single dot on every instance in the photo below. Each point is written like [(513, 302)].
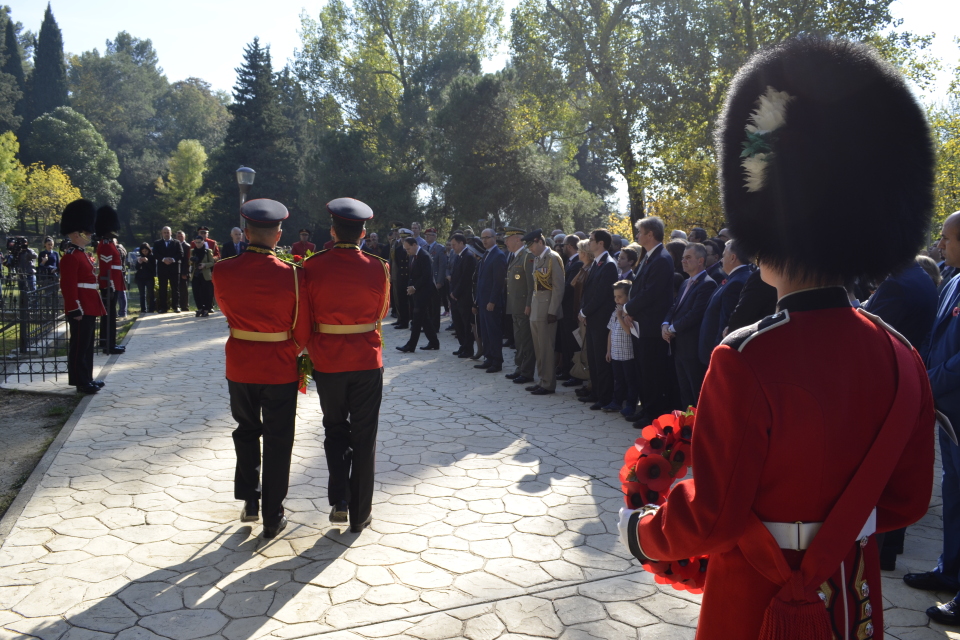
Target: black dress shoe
[(483, 365), (476, 357), (250, 511), (522, 380), (588, 399), (464, 354), (637, 417), (585, 391), (88, 388), (406, 349), (495, 369), (542, 392), (510, 345), (512, 376), (596, 406), (947, 613), (117, 350), (532, 389), (338, 515), (357, 528), (99, 383), (458, 352), (563, 376), (431, 347), (401, 326), (572, 382), (271, 532), (197, 314), (927, 581)]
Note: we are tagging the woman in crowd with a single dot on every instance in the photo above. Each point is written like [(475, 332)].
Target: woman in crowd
[(146, 267), (48, 260), (201, 266)]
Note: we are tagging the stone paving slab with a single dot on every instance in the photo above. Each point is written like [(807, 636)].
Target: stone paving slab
[(494, 517)]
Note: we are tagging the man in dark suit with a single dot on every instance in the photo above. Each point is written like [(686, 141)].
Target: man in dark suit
[(650, 298), (569, 322), (169, 255), (399, 272), (596, 307), (757, 301), (420, 290), (491, 283), (724, 300), (461, 283), (236, 246), (681, 326), (714, 264), (182, 289)]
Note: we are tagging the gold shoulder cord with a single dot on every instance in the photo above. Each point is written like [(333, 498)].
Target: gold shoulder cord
[(296, 310), (386, 304)]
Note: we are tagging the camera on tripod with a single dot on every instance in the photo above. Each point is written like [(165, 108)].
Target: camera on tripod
[(16, 245)]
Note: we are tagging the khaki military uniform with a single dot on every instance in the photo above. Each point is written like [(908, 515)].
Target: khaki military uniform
[(548, 285), (519, 298)]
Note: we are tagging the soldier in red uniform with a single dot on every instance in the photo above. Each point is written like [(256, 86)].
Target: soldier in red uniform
[(347, 359), (81, 300), (303, 245), (263, 299), (815, 426), (111, 276), (204, 233)]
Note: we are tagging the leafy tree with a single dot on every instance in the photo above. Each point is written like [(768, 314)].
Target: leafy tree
[(46, 192), (8, 209), (945, 126), (47, 87), (66, 139), (12, 172), (12, 80), (180, 201), (118, 93), (189, 110), (257, 136)]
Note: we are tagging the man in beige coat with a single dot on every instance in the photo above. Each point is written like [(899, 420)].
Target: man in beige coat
[(545, 309)]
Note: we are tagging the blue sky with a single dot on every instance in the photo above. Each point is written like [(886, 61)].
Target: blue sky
[(205, 39)]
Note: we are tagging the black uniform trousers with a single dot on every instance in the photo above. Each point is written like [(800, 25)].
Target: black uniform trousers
[(184, 294), (461, 312), (601, 373), (108, 322), (568, 344), (80, 351), (267, 411), (434, 310), (656, 375), (168, 279), (403, 304), (350, 402), (202, 293), (422, 320)]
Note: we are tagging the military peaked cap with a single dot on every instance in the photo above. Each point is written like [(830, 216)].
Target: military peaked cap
[(350, 210), (264, 213)]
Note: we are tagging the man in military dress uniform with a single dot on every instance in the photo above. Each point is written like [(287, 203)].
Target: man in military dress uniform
[(815, 426), (303, 245), (519, 297), (264, 301), (545, 310), (81, 299), (349, 291), (111, 276), (399, 274)]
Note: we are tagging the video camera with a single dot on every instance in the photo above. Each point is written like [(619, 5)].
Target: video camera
[(16, 245)]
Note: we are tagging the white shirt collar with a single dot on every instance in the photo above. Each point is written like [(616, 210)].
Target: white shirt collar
[(516, 254)]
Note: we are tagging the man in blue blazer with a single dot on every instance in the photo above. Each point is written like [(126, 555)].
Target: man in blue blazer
[(737, 265), (681, 327), (650, 298), (943, 367), (596, 307), (491, 281)]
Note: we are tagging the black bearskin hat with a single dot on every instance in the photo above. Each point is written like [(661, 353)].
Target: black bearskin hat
[(108, 223), (79, 215), (826, 162)]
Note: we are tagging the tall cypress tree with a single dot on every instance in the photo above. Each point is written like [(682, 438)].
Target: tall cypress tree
[(13, 65), (258, 136), (47, 88)]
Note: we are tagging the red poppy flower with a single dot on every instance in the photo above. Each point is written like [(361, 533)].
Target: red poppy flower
[(680, 458), (956, 312), (654, 447), (631, 456), (634, 494), (654, 471), (297, 259)]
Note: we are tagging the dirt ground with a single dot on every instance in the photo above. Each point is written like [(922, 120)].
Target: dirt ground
[(29, 422)]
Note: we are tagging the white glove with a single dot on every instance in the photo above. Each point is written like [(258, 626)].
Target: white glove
[(624, 526)]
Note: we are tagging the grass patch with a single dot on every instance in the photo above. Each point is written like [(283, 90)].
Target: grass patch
[(54, 412)]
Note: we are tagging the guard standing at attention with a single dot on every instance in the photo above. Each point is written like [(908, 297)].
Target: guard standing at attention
[(263, 299), (349, 293), (81, 300), (815, 426), (111, 276), (545, 309), (519, 299)]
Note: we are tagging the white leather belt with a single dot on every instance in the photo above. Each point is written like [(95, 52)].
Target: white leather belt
[(117, 267), (799, 535), (87, 285)]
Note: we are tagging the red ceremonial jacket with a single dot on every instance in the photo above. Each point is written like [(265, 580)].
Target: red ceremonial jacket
[(256, 292), (788, 411), (347, 286), (213, 246), (79, 284), (111, 266), (300, 248)]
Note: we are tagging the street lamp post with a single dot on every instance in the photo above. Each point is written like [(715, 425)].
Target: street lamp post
[(245, 177)]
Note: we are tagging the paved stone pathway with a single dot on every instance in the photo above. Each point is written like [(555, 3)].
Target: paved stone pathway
[(494, 517)]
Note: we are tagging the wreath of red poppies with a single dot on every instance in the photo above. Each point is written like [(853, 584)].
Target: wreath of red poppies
[(660, 456)]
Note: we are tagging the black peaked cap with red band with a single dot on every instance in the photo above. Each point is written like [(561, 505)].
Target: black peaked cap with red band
[(264, 213), (350, 211)]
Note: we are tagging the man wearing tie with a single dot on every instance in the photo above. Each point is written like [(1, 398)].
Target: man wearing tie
[(681, 327), (169, 255), (491, 281), (461, 285), (236, 246), (595, 310)]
